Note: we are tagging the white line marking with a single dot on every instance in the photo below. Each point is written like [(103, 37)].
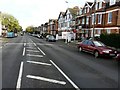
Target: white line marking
[(73, 84), (31, 48), (19, 77), (35, 44), (39, 63), (32, 51), (24, 51), (45, 44), (24, 44), (46, 79), (34, 55), (39, 48), (41, 51)]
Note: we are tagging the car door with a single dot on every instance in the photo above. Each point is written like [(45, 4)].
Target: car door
[(91, 46), (85, 45)]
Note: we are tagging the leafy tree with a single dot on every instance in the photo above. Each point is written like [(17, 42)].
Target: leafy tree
[(30, 29), (10, 23)]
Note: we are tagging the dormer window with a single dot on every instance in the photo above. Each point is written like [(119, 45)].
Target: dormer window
[(83, 20), (96, 6), (80, 12), (112, 2), (100, 5), (84, 10), (88, 10)]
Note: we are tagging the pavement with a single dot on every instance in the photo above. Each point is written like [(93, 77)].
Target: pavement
[(3, 41), (71, 44)]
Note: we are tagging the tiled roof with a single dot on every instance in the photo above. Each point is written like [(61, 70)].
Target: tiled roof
[(90, 3)]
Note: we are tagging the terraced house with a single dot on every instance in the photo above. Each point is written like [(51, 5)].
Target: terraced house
[(106, 14), (53, 26), (66, 21), (83, 20), (102, 16), (93, 19), (61, 23)]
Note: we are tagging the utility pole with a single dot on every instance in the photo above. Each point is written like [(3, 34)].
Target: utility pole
[(94, 20)]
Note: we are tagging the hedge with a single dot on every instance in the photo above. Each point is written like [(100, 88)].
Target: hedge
[(112, 40)]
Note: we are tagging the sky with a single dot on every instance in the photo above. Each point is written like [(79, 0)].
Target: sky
[(37, 12)]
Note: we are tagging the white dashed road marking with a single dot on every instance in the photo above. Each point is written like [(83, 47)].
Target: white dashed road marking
[(72, 83), (24, 51), (34, 44), (39, 48), (31, 55), (31, 48), (19, 77), (40, 63), (24, 44), (46, 79), (32, 51), (41, 51)]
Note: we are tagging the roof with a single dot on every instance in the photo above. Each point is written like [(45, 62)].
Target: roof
[(90, 3), (73, 11), (63, 13)]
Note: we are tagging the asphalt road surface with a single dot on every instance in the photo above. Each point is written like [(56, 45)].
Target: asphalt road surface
[(29, 62)]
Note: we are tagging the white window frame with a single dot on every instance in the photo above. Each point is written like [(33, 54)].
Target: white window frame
[(99, 18), (93, 19), (112, 2), (110, 13), (83, 20), (87, 20), (88, 9), (85, 10), (108, 31), (100, 5), (96, 6), (99, 31)]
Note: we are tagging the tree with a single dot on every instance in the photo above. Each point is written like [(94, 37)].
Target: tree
[(30, 29), (10, 23)]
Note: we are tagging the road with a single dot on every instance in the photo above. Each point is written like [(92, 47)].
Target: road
[(29, 62)]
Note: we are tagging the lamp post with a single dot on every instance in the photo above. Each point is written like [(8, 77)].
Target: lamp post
[(94, 20)]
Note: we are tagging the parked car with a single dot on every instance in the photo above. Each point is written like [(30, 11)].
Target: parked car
[(47, 37), (118, 56), (51, 38), (39, 36), (97, 48)]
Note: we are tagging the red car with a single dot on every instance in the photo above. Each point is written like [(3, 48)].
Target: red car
[(117, 57), (97, 48)]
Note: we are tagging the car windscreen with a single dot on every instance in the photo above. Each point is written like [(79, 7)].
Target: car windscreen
[(97, 43), (51, 37)]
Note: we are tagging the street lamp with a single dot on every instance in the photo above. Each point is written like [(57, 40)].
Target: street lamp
[(94, 18)]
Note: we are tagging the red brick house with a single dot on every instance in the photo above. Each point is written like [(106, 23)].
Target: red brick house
[(83, 21), (105, 17), (53, 26)]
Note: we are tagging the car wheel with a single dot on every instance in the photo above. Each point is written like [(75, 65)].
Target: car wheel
[(96, 54), (80, 49)]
